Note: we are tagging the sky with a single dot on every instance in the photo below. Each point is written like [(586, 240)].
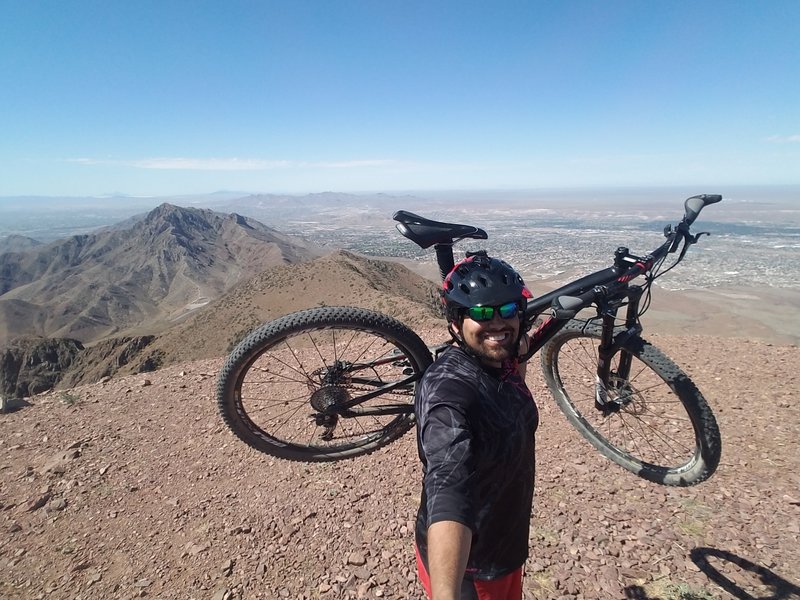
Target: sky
[(193, 96)]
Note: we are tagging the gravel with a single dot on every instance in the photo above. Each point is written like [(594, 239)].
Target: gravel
[(137, 490)]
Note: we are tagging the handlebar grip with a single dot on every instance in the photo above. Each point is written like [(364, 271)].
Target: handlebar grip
[(695, 204)]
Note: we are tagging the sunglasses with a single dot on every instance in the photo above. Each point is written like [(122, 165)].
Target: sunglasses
[(486, 313)]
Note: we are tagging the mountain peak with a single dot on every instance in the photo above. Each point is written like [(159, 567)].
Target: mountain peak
[(183, 220), (147, 275)]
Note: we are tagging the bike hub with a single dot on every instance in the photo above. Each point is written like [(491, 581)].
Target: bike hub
[(333, 374)]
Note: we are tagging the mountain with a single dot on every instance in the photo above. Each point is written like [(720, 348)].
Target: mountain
[(341, 278), (17, 243), (144, 277), (210, 331), (175, 284)]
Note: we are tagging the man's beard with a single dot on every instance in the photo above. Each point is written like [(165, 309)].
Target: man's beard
[(495, 353)]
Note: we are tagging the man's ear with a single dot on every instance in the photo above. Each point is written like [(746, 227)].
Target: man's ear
[(455, 330)]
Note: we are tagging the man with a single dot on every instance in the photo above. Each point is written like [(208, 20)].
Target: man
[(475, 433)]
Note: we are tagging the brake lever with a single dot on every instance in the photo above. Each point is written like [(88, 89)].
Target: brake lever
[(690, 241), (693, 239)]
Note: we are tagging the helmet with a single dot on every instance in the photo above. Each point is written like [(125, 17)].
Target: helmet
[(480, 280)]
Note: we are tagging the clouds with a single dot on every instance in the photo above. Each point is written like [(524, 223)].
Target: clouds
[(229, 164), (783, 139)]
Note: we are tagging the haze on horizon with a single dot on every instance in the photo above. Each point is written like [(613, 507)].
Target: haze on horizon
[(274, 97)]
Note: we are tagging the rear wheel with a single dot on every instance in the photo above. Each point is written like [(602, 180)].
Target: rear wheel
[(655, 422), (323, 384)]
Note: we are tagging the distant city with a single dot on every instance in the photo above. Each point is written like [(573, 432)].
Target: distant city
[(547, 235), (560, 248)]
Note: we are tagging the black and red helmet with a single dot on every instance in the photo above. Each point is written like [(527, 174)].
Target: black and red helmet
[(480, 280)]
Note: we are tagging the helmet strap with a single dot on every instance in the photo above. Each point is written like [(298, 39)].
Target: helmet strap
[(456, 335)]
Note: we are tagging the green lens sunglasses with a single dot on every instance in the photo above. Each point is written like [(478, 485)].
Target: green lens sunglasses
[(486, 313)]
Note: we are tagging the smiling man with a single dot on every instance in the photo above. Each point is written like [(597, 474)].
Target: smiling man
[(476, 421)]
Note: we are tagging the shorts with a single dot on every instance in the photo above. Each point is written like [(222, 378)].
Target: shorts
[(508, 587)]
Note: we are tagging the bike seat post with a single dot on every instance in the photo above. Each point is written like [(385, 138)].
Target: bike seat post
[(444, 257)]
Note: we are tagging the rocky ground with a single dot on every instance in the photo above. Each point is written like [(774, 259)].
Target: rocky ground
[(133, 488)]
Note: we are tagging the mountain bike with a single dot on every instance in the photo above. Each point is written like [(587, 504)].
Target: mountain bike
[(338, 382)]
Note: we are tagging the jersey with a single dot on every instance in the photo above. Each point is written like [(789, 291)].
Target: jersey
[(475, 437)]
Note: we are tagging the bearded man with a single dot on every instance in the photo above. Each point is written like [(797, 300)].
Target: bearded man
[(476, 421)]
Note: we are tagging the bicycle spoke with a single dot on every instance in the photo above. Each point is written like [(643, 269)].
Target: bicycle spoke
[(311, 373), (283, 379), (660, 434), (301, 370), (644, 418), (322, 358), (291, 414)]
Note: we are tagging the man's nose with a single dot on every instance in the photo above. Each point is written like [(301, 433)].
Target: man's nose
[(496, 318)]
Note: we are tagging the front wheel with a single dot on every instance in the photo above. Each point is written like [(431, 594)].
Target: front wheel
[(653, 421), (322, 384)]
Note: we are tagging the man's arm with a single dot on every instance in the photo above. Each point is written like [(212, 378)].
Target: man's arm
[(449, 543)]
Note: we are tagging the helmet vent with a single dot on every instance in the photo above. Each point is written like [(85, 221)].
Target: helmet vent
[(480, 280)]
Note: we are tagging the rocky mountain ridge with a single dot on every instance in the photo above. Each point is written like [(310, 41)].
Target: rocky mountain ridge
[(93, 286), (86, 306), (340, 278)]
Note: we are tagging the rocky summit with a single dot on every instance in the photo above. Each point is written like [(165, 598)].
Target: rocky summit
[(133, 488)]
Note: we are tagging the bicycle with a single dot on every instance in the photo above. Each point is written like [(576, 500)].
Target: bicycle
[(338, 382)]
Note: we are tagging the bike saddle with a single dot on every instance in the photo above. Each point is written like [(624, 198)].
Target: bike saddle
[(426, 233)]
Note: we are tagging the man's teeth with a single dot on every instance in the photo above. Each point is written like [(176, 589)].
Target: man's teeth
[(498, 337)]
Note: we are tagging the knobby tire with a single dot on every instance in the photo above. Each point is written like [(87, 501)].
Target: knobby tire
[(661, 427), (282, 388)]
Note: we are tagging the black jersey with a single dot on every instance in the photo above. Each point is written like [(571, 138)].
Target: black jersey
[(475, 436)]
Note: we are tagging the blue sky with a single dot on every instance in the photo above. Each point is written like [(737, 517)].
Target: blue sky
[(172, 97)]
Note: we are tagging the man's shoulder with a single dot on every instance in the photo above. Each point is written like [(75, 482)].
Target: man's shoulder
[(452, 380), (453, 365), (454, 357)]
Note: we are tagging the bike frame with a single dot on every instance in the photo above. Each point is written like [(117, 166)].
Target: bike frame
[(608, 289)]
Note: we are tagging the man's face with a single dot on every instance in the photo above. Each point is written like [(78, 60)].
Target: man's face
[(493, 341)]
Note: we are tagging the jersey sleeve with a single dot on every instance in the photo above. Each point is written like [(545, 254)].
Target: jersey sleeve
[(446, 442)]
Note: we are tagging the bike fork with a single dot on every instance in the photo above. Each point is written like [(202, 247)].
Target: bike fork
[(610, 344)]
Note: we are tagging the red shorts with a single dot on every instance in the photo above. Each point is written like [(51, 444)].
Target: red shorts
[(508, 587)]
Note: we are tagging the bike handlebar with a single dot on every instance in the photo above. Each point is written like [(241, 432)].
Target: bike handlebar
[(695, 204), (425, 233), (566, 305)]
